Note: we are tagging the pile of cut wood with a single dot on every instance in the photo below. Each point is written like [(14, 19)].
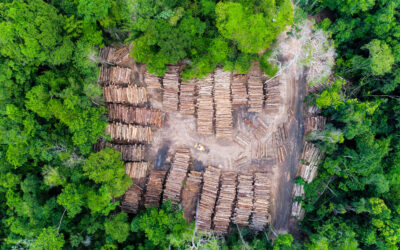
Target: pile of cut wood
[(152, 81), (137, 170), (190, 194), (239, 90), (177, 175), (244, 203), (129, 133), (223, 105), (171, 89), (132, 199), (314, 123), (154, 188), (113, 56), (223, 209), (205, 106), (135, 115), (208, 198), (129, 152), (280, 142), (255, 87), (309, 162), (186, 97), (115, 75), (131, 94), (273, 99), (261, 201)]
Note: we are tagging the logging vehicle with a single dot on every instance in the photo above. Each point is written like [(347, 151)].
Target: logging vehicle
[(201, 147)]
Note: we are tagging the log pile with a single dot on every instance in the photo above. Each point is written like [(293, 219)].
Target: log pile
[(205, 106), (273, 99), (171, 89), (260, 215), (121, 56), (107, 54), (223, 105), (239, 90), (152, 81), (255, 89), (279, 140), (190, 194), (314, 123), (186, 97), (313, 110), (135, 115), (177, 175), (297, 210), (244, 203), (132, 199), (129, 133), (208, 198), (137, 170), (310, 159), (223, 209), (154, 188), (129, 152), (115, 75), (131, 94)]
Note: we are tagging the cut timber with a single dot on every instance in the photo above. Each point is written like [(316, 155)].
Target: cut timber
[(255, 88), (152, 81), (129, 152), (129, 133), (205, 106), (131, 94), (273, 99), (154, 188), (107, 54), (309, 162), (297, 210), (171, 89), (223, 209), (244, 203), (223, 105), (113, 56), (177, 175), (314, 123), (132, 199), (260, 215), (239, 90), (208, 198), (186, 97), (137, 171), (135, 115), (115, 75), (190, 194)]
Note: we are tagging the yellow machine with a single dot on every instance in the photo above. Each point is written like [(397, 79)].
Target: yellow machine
[(201, 147)]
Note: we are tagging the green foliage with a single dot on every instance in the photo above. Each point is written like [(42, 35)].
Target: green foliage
[(353, 203), (117, 227), (48, 239), (283, 241), (205, 34)]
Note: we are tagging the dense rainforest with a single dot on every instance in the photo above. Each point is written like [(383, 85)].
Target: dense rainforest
[(56, 192)]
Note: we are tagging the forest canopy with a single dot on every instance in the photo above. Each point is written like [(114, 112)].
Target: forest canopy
[(206, 34)]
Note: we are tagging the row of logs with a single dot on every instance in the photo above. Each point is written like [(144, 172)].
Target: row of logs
[(135, 115), (223, 104), (129, 133), (131, 94)]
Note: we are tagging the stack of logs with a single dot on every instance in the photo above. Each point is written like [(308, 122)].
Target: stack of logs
[(205, 106), (223, 105), (129, 133), (135, 115), (223, 209), (244, 203), (260, 215), (280, 142), (152, 81), (112, 56), (313, 123), (154, 188), (239, 90), (132, 198), (273, 97), (186, 97), (134, 152), (208, 198), (177, 175), (255, 89), (190, 194), (115, 75), (171, 89), (137, 170), (131, 94)]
